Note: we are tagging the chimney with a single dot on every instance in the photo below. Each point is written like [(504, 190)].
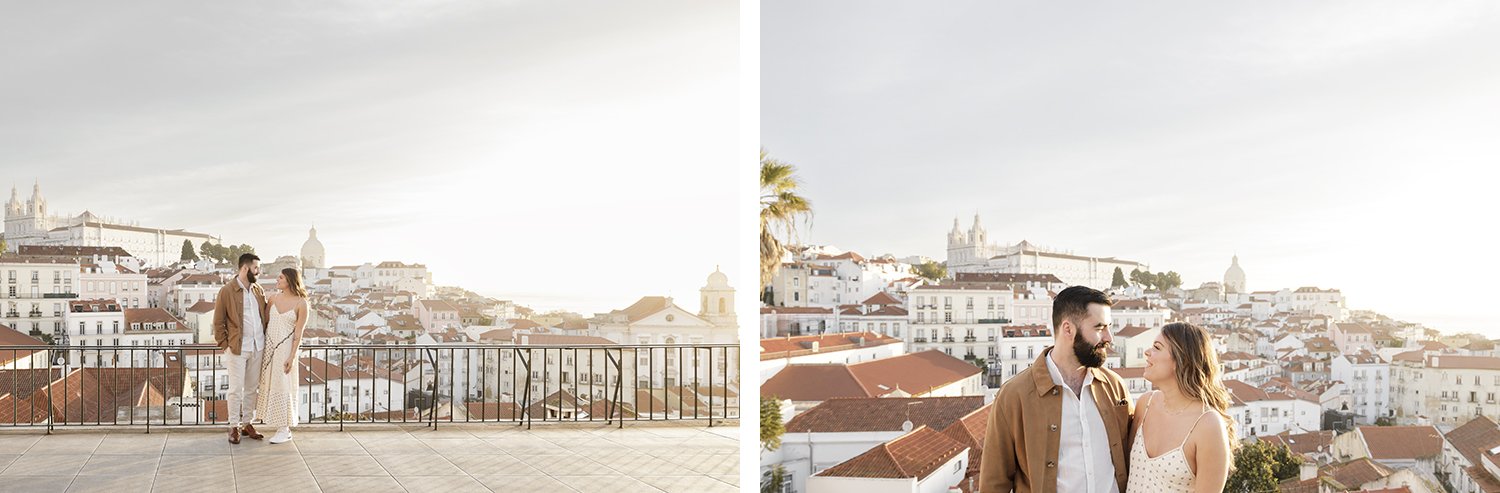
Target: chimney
[(815, 346), (1309, 470)]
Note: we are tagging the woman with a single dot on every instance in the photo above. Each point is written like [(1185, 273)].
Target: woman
[(1183, 432), (278, 377)]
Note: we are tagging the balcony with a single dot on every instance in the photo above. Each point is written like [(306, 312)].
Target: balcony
[(919, 339), (590, 438), (60, 295), (948, 339), (994, 321), (34, 314), (971, 339)]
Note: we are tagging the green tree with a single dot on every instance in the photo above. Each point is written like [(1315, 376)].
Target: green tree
[(932, 271), (1170, 280), (187, 250), (771, 429), (780, 207), (1135, 277), (1119, 280), (1149, 280), (1260, 466)]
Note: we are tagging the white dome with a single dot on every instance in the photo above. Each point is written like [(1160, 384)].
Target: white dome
[(1234, 277), (718, 279), (312, 249)]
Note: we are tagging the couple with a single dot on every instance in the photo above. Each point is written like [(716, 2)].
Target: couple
[(1044, 437), (260, 337)]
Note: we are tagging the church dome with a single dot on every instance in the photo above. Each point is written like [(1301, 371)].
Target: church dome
[(312, 249), (1235, 276), (718, 279)]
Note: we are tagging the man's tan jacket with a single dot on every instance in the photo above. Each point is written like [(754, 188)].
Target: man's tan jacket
[(229, 312), (1020, 447)]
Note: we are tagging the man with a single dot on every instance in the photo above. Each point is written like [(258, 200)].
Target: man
[(240, 313), (1062, 424)]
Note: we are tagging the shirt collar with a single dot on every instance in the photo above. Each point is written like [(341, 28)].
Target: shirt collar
[(1057, 378)]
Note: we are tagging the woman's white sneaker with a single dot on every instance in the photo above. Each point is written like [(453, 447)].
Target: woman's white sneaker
[(282, 436)]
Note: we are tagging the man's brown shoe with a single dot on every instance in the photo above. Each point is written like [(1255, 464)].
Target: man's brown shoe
[(234, 435), (249, 431)]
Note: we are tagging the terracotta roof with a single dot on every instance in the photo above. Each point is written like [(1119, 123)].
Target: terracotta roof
[(882, 298), (439, 305), (146, 316), (913, 455), (1474, 437), (1303, 443), (1132, 331), (969, 431), (204, 306), (795, 310), (201, 279), (1025, 331), (1356, 472), (645, 307), (522, 324), (843, 256), (1411, 356), (1130, 372), (845, 415), (101, 305), (1401, 442), (13, 337), (786, 347), (71, 251), (1482, 478), (914, 374), (1454, 362)]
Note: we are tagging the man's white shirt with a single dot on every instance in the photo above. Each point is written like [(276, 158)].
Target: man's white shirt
[(1083, 460), (253, 330)]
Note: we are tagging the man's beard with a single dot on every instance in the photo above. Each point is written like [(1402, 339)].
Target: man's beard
[(250, 277), (1091, 356)]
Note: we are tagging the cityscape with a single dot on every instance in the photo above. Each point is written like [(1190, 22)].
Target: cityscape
[(883, 367)]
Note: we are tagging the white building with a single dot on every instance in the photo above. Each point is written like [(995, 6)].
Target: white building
[(191, 289), (1462, 459), (1131, 343), (108, 280), (437, 315), (31, 224), (972, 252), (312, 250), (777, 321), (845, 348), (1352, 337), (1019, 347), (36, 292), (1444, 389), (922, 461), (1234, 277), (963, 320), (1368, 379), (1257, 412)]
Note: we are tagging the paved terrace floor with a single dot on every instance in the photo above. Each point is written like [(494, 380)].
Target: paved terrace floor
[(645, 457)]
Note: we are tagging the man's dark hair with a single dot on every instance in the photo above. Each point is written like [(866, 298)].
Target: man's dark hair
[(1074, 302), (246, 258)]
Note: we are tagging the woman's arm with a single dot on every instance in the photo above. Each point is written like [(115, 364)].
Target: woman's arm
[(1212, 455)]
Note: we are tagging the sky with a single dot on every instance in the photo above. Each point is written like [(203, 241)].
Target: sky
[(1342, 144), (565, 156)]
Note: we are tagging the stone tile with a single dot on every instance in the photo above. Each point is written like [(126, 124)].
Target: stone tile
[(197, 466), (527, 446), (359, 484), (397, 446), (344, 465), (66, 444), (6, 459), (18, 444), (40, 484), (198, 444), (318, 446), (687, 484), (461, 446), (191, 484), (262, 447), (275, 465), (132, 443), (443, 431), (441, 484), (45, 465), (111, 484), (566, 465), (529, 483), (496, 430), (365, 436), (275, 481), (644, 465), (121, 465), (590, 443), (418, 465), (607, 484), (708, 463), (492, 465)]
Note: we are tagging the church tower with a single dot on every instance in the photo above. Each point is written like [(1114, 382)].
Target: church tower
[(1234, 278), (312, 250), (718, 300)]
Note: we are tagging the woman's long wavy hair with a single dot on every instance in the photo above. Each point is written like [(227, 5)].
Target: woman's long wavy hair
[(294, 282), (1198, 370)]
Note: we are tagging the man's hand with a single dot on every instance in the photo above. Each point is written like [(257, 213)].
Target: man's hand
[(287, 368)]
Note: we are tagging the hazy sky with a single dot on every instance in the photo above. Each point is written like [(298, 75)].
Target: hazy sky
[(1331, 144), (570, 155)]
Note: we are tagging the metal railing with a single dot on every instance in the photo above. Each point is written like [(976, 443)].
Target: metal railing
[(59, 386)]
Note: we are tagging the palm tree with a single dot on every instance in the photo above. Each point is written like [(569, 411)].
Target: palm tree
[(780, 207)]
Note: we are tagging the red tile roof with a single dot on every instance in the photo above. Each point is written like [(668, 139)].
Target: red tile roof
[(795, 310), (1355, 473), (1474, 437), (645, 307), (915, 374), (882, 298), (787, 347), (1303, 443), (845, 415), (204, 306), (145, 316), (1454, 362), (1401, 442), (914, 455), (1132, 331)]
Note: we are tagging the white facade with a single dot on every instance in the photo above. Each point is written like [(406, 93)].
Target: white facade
[(1446, 390), (962, 321), (1368, 380), (106, 281), (35, 293), (31, 223)]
